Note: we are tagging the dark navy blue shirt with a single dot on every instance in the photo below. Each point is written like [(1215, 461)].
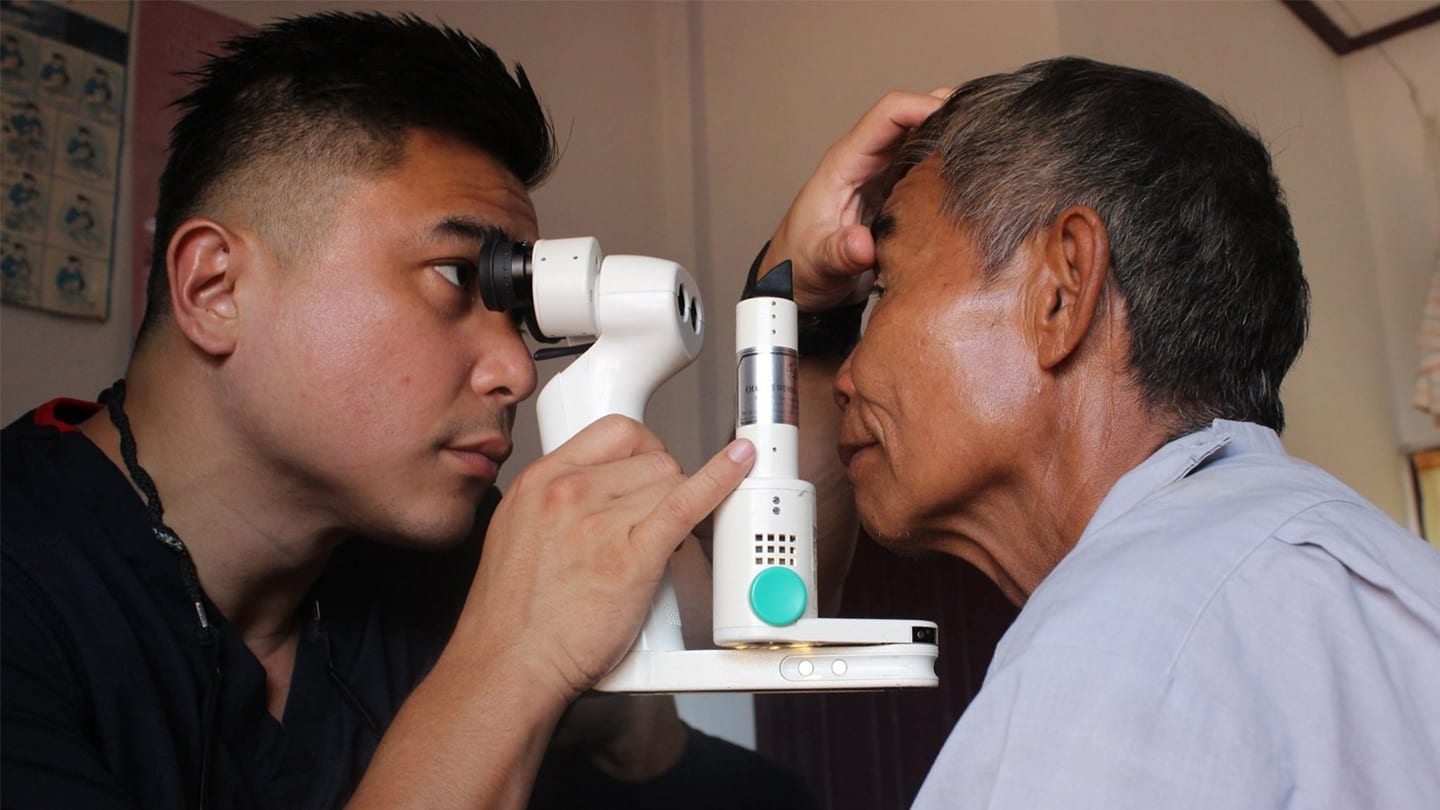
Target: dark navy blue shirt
[(712, 774), (103, 676)]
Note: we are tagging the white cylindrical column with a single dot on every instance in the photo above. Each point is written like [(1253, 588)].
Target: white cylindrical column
[(764, 549), (767, 403)]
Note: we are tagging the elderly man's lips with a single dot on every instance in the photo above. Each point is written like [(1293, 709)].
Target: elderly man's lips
[(848, 451)]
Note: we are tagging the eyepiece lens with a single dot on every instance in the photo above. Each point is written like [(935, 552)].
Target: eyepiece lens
[(505, 275)]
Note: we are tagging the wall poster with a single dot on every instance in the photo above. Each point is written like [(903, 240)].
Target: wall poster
[(62, 88)]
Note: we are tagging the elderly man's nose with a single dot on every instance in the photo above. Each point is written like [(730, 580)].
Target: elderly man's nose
[(844, 385)]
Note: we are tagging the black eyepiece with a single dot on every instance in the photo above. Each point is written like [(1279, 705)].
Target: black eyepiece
[(505, 274)]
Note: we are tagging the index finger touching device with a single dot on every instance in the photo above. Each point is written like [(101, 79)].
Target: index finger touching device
[(635, 321)]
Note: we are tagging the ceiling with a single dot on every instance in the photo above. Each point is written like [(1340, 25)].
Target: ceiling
[(1349, 25)]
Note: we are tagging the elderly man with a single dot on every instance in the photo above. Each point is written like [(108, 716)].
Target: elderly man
[(1086, 295)]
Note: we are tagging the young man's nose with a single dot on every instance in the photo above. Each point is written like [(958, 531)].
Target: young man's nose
[(503, 366)]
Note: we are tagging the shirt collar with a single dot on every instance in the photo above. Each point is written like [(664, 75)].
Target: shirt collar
[(65, 414), (1178, 459)]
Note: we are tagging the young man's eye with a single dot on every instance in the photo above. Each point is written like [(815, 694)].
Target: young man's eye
[(461, 274)]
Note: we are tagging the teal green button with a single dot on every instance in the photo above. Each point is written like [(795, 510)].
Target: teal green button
[(777, 595)]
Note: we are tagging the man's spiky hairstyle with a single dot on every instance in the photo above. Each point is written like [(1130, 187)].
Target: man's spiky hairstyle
[(286, 112)]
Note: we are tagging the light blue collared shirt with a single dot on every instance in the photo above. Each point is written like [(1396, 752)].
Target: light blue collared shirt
[(1234, 629)]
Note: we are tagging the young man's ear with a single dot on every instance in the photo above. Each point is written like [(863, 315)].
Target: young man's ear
[(1066, 288), (204, 267)]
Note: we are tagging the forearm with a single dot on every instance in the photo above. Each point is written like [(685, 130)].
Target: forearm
[(470, 736), (691, 573), (572, 555)]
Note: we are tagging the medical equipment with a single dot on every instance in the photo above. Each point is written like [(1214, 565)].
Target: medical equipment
[(635, 321)]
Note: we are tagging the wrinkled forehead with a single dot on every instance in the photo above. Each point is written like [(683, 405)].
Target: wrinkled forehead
[(905, 163), (916, 194)]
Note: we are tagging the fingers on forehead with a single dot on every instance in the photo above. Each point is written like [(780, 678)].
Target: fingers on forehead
[(890, 118)]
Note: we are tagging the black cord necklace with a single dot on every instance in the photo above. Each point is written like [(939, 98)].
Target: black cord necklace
[(114, 399)]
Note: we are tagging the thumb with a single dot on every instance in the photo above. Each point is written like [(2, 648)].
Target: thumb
[(850, 251)]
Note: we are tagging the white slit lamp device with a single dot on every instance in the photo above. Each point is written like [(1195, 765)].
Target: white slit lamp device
[(635, 321)]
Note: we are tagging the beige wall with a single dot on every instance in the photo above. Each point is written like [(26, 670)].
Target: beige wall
[(1274, 74), (1394, 97)]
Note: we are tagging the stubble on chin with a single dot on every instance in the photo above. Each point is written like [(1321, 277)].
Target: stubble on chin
[(896, 539)]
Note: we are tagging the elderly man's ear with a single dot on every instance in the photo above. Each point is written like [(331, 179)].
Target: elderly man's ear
[(205, 263), (1065, 288)]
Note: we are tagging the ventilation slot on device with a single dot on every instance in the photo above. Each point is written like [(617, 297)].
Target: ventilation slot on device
[(775, 549)]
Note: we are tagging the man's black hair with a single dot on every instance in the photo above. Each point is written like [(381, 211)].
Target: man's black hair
[(1202, 251), (291, 107)]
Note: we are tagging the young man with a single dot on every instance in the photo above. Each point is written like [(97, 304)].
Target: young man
[(1087, 294), (188, 617)]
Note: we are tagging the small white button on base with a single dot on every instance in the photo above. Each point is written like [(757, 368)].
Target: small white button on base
[(805, 668), (838, 666)]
